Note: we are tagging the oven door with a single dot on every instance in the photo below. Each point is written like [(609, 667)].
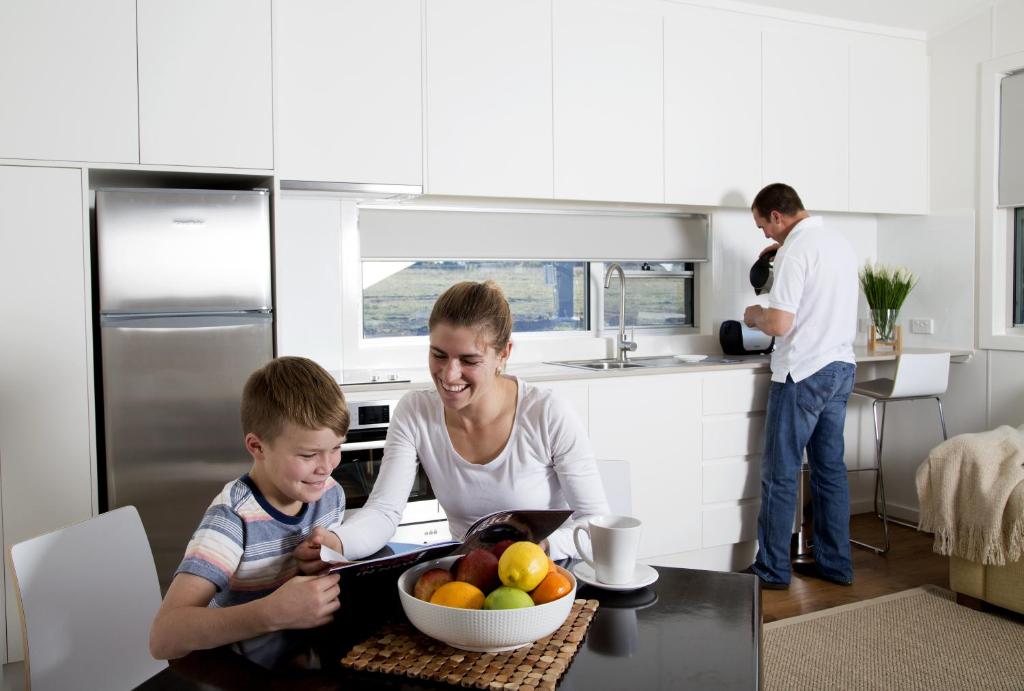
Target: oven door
[(361, 456)]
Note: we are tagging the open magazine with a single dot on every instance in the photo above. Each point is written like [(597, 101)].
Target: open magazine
[(527, 524)]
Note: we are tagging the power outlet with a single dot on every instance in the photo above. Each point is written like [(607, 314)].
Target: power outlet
[(922, 326)]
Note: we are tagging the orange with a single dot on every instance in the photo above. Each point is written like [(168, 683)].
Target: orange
[(458, 594), (551, 566), (523, 565), (554, 586)]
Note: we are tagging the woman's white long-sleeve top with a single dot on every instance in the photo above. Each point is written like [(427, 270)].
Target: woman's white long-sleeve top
[(547, 463)]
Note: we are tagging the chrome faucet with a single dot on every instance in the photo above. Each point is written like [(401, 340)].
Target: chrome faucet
[(622, 346)]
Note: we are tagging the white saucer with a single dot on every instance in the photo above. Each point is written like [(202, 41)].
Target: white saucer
[(691, 358), (643, 576)]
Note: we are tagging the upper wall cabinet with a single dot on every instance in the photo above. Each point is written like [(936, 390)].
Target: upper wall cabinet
[(608, 100), (205, 89), (68, 80), (349, 94), (888, 125), (488, 98), (712, 106), (805, 103)]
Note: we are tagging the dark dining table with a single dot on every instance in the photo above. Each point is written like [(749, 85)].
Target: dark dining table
[(691, 629)]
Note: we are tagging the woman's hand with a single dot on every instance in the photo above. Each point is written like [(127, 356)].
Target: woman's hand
[(308, 551)]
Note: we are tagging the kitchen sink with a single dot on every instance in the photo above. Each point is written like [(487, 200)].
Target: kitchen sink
[(651, 361), (599, 364)]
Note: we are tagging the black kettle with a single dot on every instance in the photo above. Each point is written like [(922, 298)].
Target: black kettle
[(762, 274)]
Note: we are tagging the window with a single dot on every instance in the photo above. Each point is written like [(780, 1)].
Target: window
[(658, 294), (1018, 267), (543, 295)]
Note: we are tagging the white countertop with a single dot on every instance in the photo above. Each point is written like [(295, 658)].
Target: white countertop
[(543, 371)]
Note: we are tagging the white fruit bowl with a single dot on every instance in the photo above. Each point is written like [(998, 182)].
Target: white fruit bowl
[(482, 630)]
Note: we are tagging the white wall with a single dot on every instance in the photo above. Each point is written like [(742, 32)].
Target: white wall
[(989, 390), (737, 243)]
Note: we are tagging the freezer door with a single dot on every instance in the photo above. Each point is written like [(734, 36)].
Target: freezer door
[(175, 251), (171, 394)]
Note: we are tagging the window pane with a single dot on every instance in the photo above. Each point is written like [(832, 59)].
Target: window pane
[(1018, 267), (658, 294), (544, 296)]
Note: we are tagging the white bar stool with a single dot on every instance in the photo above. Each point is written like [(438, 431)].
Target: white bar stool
[(918, 376)]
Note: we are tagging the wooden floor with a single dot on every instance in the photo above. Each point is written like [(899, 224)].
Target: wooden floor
[(909, 563)]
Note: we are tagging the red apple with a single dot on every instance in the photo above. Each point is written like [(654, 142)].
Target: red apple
[(499, 547), (479, 567), (429, 581)]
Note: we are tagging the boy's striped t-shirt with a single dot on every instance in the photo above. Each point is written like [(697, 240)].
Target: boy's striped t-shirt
[(244, 545)]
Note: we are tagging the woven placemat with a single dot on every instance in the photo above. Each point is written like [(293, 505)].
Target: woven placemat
[(400, 649)]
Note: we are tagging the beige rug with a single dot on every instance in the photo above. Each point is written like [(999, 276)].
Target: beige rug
[(915, 639)]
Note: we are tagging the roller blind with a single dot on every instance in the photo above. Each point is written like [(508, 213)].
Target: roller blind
[(1011, 140), (425, 234)]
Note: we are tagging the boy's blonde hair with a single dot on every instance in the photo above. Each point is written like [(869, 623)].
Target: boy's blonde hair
[(480, 306), (296, 390)]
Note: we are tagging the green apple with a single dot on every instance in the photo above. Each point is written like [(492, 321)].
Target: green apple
[(505, 597)]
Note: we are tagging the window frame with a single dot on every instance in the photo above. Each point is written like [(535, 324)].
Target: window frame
[(995, 226), (411, 351)]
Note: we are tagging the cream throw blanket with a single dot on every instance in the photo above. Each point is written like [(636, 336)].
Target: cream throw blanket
[(971, 493)]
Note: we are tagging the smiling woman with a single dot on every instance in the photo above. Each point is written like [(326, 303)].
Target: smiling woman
[(486, 441)]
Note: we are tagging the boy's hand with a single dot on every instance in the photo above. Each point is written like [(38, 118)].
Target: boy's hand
[(304, 602), (308, 551)]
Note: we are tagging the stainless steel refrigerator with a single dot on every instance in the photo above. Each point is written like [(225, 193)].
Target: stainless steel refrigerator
[(185, 316)]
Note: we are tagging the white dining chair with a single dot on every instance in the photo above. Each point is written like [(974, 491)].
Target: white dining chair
[(617, 487), (87, 595), (918, 376)]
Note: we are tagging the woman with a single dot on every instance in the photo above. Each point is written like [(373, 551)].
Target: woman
[(487, 441)]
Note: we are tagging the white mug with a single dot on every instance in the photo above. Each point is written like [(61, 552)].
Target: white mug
[(615, 540)]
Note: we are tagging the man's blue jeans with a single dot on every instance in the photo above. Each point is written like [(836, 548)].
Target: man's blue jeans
[(810, 415)]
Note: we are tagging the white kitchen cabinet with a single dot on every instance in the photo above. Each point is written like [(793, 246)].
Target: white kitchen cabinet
[(653, 422), (805, 106), (712, 106), (488, 98), (205, 85), (307, 279), (349, 90), (47, 453), (888, 125), (68, 80), (575, 393), (608, 64), (732, 432)]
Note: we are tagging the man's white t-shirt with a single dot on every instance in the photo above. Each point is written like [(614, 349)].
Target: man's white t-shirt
[(816, 280), (547, 463)]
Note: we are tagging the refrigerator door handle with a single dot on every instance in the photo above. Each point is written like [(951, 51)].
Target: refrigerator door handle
[(185, 321)]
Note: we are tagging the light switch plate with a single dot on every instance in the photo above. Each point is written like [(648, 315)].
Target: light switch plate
[(922, 326)]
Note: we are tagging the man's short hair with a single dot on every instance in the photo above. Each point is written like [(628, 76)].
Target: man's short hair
[(779, 197), (296, 390)]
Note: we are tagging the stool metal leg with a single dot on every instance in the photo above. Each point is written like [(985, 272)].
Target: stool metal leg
[(942, 418), (879, 480), (945, 435)]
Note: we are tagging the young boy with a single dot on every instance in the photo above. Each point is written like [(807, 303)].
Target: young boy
[(239, 578)]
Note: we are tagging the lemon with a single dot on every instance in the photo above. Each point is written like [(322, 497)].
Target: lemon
[(458, 594), (523, 565)]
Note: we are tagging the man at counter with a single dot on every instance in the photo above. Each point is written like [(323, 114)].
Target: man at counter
[(812, 312)]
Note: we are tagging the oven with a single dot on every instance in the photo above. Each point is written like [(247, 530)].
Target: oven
[(423, 521)]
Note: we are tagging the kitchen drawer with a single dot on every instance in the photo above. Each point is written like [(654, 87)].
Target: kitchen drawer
[(732, 435), (728, 525), (731, 479), (739, 392)]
